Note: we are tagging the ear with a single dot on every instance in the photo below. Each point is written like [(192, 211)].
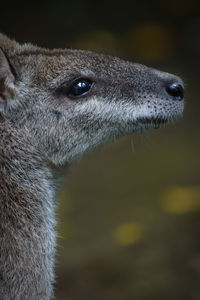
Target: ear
[(7, 80), (8, 45), (7, 73)]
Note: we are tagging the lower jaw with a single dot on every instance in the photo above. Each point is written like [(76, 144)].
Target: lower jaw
[(153, 122)]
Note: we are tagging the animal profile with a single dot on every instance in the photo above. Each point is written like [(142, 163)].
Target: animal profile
[(55, 106)]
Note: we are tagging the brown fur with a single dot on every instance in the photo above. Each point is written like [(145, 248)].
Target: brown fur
[(43, 129)]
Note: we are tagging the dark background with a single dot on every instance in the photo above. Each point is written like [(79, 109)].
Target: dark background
[(129, 215)]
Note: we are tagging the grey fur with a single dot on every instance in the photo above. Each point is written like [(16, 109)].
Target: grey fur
[(42, 131)]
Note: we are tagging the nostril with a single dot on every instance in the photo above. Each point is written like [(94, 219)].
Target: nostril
[(175, 90)]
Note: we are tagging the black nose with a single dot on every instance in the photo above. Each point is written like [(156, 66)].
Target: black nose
[(175, 90)]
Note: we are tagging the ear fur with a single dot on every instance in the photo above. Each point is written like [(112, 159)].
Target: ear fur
[(7, 79), (7, 76), (7, 45)]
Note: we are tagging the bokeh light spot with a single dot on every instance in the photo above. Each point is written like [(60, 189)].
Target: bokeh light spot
[(180, 200), (150, 42), (98, 40), (128, 233)]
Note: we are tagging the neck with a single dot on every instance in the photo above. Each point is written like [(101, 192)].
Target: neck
[(27, 221)]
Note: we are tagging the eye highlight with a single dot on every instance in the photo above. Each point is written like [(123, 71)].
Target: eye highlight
[(79, 87)]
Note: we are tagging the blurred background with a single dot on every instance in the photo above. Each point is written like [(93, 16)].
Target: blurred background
[(129, 214)]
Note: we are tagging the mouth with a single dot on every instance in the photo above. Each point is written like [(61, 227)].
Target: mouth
[(153, 122)]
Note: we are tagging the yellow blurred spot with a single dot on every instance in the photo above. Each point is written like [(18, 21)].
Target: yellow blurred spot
[(180, 200), (151, 42), (128, 233), (98, 40)]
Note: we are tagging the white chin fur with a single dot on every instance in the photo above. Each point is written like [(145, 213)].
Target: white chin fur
[(123, 111)]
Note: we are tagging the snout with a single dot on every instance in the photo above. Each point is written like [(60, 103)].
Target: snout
[(171, 85), (165, 97)]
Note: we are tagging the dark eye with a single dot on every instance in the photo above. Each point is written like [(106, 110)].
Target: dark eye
[(79, 87)]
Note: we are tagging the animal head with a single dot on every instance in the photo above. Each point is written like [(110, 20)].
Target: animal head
[(71, 101)]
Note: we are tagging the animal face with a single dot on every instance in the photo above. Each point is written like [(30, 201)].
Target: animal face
[(71, 101)]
